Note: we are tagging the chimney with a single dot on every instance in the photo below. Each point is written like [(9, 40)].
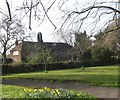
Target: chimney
[(16, 42), (39, 37)]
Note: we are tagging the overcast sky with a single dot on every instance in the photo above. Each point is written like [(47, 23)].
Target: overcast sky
[(46, 27)]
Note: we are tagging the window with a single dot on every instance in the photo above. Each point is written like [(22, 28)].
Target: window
[(15, 53)]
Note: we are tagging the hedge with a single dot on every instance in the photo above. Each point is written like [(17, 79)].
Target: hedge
[(25, 67)]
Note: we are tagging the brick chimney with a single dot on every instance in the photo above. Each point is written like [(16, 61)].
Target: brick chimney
[(39, 37)]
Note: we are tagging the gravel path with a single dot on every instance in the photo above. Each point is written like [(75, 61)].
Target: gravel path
[(99, 92)]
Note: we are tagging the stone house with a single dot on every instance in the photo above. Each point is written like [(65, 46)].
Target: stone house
[(24, 49)]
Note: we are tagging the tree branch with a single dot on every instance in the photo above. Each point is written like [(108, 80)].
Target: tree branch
[(99, 7), (47, 15), (8, 6), (30, 16)]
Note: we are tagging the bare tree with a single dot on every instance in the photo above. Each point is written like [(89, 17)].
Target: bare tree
[(10, 30), (37, 10), (97, 16), (74, 15), (96, 11)]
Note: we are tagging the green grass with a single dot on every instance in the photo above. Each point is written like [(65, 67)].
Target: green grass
[(0, 90), (9, 91), (100, 76)]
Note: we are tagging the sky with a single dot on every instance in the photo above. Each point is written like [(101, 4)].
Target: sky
[(46, 28)]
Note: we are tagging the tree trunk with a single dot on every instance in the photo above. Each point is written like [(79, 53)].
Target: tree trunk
[(4, 56), (4, 59), (45, 67)]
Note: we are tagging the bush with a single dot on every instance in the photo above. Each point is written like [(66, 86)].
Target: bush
[(25, 67), (28, 67), (102, 54), (17, 68)]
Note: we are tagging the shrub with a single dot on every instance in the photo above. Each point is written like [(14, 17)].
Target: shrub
[(25, 67), (102, 54)]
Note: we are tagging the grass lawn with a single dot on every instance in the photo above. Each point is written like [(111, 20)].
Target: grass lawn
[(0, 90), (100, 76), (9, 91)]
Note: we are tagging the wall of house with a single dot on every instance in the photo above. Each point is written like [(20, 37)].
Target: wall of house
[(15, 55)]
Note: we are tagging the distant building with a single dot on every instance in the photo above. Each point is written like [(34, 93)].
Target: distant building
[(24, 49)]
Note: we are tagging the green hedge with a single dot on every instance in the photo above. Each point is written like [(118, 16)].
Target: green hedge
[(25, 67)]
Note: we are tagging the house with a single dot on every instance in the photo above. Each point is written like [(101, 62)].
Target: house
[(24, 49)]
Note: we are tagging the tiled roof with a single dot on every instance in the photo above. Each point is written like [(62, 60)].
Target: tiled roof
[(57, 46), (27, 46)]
